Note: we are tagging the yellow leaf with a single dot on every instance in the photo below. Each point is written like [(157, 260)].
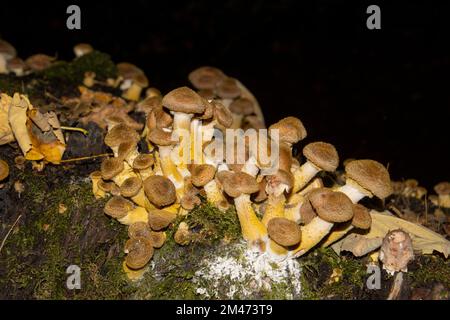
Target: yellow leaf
[(6, 134), (424, 240)]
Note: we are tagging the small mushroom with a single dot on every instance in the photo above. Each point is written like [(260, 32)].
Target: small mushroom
[(132, 188), (39, 62), (202, 174), (143, 163), (366, 178), (319, 156), (139, 251), (183, 235), (81, 49), (396, 251), (160, 191), (443, 191), (96, 178), (331, 207), (290, 131), (158, 238)]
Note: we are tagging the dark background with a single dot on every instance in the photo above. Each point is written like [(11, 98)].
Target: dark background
[(380, 94)]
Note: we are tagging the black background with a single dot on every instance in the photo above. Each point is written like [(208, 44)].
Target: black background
[(380, 94)]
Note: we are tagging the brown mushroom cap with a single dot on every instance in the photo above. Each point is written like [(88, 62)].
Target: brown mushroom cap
[(130, 187), (39, 62), (7, 50), (323, 155), (205, 77), (158, 238), (139, 252), (361, 217), (189, 201), (160, 137), (118, 207), (243, 106), (158, 118), (141, 80), (331, 206), (111, 167), (4, 170), (282, 177), (284, 231), (370, 175), (442, 188), (290, 130), (185, 100), (143, 161), (82, 49), (16, 64), (120, 133), (207, 94), (128, 70), (139, 229), (240, 182), (202, 174), (125, 148), (160, 219), (105, 186), (307, 212), (222, 115), (160, 191), (262, 194), (228, 88)]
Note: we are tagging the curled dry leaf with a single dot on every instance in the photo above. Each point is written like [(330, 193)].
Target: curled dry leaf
[(39, 136), (6, 134), (424, 240)]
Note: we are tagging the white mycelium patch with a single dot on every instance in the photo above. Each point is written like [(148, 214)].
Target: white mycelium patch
[(249, 274)]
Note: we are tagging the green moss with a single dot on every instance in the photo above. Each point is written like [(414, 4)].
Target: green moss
[(431, 269)]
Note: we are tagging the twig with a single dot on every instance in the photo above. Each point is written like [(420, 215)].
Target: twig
[(83, 131), (9, 232), (87, 158)]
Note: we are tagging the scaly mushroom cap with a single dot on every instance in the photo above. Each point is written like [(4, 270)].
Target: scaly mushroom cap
[(160, 191), (118, 207), (202, 174), (240, 182), (243, 106), (160, 219), (120, 133), (125, 148), (130, 187), (331, 206), (284, 231), (307, 213), (442, 188), (185, 100), (205, 77), (222, 115), (7, 50), (158, 238), (370, 175), (4, 170), (361, 217), (396, 251), (139, 229), (228, 88), (128, 70), (143, 161), (160, 137), (323, 155), (290, 130), (139, 251), (111, 167)]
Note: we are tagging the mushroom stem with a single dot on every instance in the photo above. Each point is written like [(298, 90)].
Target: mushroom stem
[(303, 174), (337, 234), (133, 92), (126, 173), (353, 191), (274, 209), (292, 208), (168, 167), (252, 229), (213, 192), (312, 233), (141, 200), (276, 251)]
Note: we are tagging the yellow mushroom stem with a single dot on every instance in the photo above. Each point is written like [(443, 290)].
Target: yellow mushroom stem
[(169, 169), (337, 234), (312, 233), (292, 207), (274, 208), (138, 214), (145, 173), (83, 131), (126, 173), (354, 191), (253, 230), (133, 92), (134, 275), (141, 200), (303, 174), (98, 193), (213, 193), (276, 251)]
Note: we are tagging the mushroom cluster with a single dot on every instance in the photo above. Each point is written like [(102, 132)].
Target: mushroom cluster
[(284, 212)]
